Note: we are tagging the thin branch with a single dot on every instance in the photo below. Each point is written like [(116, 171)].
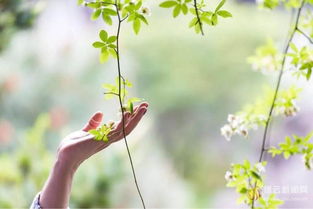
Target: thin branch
[(269, 118), (111, 93), (198, 17), (122, 20), (121, 102), (305, 35)]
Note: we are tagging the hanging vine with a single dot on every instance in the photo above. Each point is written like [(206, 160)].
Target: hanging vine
[(110, 47)]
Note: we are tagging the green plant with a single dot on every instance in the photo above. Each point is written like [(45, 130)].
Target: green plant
[(135, 13), (268, 59)]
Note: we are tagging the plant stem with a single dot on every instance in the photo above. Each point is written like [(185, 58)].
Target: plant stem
[(269, 118), (305, 35), (198, 17), (120, 77)]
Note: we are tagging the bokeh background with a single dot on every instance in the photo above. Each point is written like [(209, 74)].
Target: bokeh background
[(50, 84)]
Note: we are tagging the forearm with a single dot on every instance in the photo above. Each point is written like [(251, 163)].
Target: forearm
[(57, 189)]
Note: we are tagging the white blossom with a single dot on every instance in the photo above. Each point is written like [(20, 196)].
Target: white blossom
[(145, 10), (260, 168), (229, 176), (242, 130), (227, 132)]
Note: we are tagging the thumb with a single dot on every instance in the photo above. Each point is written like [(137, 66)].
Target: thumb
[(94, 121)]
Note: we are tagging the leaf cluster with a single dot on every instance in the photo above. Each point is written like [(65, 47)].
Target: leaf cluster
[(293, 146), (198, 11), (247, 179), (302, 60)]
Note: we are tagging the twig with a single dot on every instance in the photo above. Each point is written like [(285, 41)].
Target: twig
[(111, 93), (269, 118), (305, 35), (121, 102), (198, 17)]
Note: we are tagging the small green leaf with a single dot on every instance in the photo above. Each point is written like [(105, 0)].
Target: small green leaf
[(80, 2), (131, 107), (224, 13), (219, 6), (309, 73), (193, 22), (136, 25), (214, 19), (138, 5), (108, 12), (104, 56), (103, 35), (176, 10), (184, 9), (256, 175), (168, 4), (113, 52), (143, 19), (95, 15), (98, 44), (107, 19), (111, 39), (93, 5)]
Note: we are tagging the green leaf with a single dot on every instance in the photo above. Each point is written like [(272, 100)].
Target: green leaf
[(131, 107), (98, 44), (103, 35), (93, 5), (111, 39), (214, 19), (168, 4), (113, 52), (136, 25), (309, 73), (95, 15), (108, 11), (80, 2), (104, 56), (293, 47), (193, 22), (219, 6), (143, 19), (256, 175), (184, 8), (176, 10), (138, 5), (224, 13), (107, 19)]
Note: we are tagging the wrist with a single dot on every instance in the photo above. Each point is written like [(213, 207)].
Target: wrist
[(66, 161), (64, 166)]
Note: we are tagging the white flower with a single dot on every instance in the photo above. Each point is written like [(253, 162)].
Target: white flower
[(227, 132), (229, 176), (260, 168), (145, 10), (242, 130), (231, 118), (291, 111)]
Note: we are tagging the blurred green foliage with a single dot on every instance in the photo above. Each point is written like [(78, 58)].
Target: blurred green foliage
[(15, 15)]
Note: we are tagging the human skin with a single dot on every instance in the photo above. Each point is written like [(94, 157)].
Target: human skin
[(75, 149)]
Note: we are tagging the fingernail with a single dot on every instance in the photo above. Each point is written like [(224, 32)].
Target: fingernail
[(144, 112)]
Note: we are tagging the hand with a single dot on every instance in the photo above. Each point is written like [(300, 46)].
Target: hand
[(76, 148), (79, 145)]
